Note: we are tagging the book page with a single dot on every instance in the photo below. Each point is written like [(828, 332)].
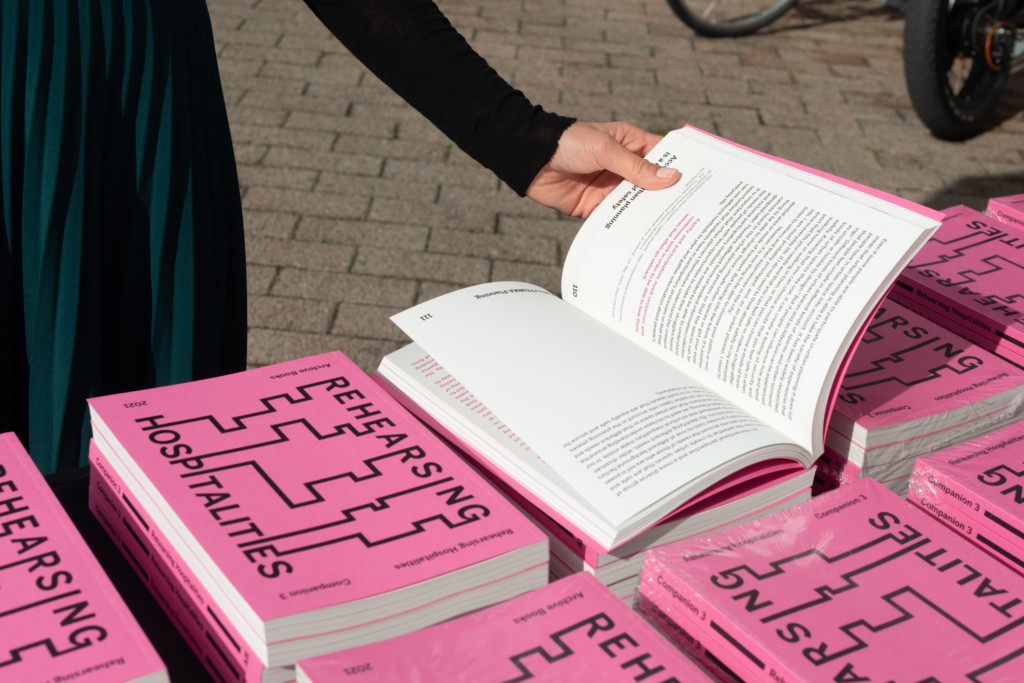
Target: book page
[(624, 427), (751, 275)]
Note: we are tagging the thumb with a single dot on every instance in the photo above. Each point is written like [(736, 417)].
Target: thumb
[(638, 170)]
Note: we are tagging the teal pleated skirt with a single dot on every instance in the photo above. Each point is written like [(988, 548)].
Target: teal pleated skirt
[(122, 263)]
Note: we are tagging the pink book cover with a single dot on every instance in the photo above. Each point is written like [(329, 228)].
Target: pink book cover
[(915, 387), (315, 502), (574, 629), (970, 277), (755, 478), (1009, 210), (61, 618), (209, 633), (855, 585), (977, 488), (683, 639)]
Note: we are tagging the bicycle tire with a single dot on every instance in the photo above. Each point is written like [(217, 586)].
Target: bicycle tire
[(932, 61), (728, 18)]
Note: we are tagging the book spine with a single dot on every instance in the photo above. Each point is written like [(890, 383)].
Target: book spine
[(971, 325), (683, 639), (221, 649), (970, 515), (719, 635)]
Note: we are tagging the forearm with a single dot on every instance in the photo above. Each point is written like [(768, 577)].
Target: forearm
[(413, 48)]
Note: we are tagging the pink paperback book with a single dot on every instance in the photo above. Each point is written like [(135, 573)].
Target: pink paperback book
[(323, 511), (571, 630), (61, 619), (914, 387), (1009, 209), (977, 488), (855, 585), (213, 639), (970, 277), (745, 492)]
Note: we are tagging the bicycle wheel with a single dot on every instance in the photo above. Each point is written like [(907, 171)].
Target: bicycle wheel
[(729, 17), (953, 82)]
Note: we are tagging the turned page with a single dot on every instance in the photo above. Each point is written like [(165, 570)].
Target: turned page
[(628, 431), (751, 274)]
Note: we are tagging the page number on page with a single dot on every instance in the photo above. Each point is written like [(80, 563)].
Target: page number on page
[(575, 291), (428, 316)]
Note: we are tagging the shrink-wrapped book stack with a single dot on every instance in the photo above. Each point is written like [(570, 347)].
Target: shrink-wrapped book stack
[(61, 618), (856, 585), (977, 488), (913, 387), (1009, 209), (574, 629), (296, 509), (969, 277)]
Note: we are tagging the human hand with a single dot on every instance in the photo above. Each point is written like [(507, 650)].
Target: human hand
[(591, 160)]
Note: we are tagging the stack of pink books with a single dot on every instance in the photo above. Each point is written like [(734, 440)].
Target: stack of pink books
[(61, 619), (913, 387), (306, 509), (196, 614), (1009, 209), (574, 629), (754, 491), (970, 277), (856, 585), (977, 488)]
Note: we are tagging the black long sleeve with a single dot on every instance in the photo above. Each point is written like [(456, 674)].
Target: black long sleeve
[(413, 48)]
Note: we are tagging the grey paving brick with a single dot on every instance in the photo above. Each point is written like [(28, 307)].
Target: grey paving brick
[(270, 224), (288, 252), (464, 270), (371, 322), (332, 161), (259, 278), (494, 246), (362, 233), (300, 315), (285, 178), (304, 203), (355, 206), (354, 288)]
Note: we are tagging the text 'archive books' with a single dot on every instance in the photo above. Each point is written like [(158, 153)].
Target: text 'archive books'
[(573, 629)]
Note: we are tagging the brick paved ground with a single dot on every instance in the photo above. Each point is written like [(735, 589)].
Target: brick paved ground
[(356, 208)]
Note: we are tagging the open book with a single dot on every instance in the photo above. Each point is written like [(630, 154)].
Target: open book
[(701, 330)]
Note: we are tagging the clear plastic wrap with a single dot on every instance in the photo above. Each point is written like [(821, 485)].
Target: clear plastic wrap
[(857, 584), (977, 489), (574, 629)]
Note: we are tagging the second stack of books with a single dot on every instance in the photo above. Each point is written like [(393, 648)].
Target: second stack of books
[(295, 510)]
